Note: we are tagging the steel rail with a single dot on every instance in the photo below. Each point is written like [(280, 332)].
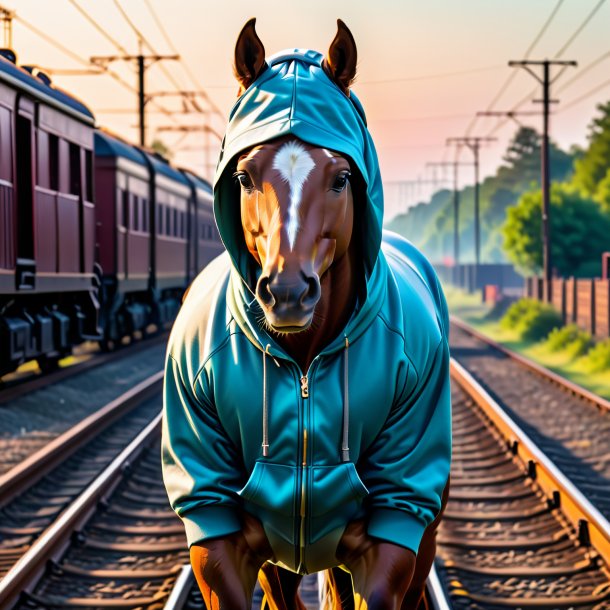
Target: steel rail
[(591, 525), (22, 476), (21, 387), (25, 574), (180, 591), (574, 388), (436, 593)]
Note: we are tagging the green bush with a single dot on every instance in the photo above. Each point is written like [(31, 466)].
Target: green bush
[(570, 338), (532, 319), (598, 357)]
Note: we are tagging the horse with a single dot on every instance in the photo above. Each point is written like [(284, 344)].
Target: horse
[(308, 280)]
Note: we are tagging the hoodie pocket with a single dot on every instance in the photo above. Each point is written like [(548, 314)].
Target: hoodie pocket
[(336, 498), (270, 494)]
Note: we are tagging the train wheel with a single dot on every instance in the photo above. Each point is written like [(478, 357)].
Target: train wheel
[(107, 345), (48, 364)]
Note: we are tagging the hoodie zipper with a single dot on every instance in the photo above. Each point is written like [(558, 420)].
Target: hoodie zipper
[(302, 472)]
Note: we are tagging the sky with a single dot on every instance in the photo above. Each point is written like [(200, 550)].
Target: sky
[(424, 69)]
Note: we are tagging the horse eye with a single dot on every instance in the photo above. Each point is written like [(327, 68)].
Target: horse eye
[(340, 182), (244, 180)]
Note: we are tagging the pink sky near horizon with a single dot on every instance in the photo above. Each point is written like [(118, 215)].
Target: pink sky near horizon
[(424, 69)]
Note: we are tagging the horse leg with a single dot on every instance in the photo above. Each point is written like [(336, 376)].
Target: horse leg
[(415, 598), (339, 591), (281, 588)]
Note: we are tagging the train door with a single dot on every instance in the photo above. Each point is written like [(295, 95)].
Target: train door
[(24, 161)]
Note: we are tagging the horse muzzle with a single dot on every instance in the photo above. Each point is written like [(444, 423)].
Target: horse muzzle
[(288, 303)]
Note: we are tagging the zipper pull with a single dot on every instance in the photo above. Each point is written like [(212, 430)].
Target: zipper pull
[(304, 387)]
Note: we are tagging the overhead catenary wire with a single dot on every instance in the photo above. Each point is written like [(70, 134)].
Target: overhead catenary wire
[(526, 55), (98, 27), (559, 53), (71, 54), (185, 65), (585, 96), (77, 58)]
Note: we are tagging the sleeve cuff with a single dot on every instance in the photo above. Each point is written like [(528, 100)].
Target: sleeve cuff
[(397, 527), (210, 522)]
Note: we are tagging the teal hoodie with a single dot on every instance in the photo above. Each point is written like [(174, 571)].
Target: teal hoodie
[(371, 438)]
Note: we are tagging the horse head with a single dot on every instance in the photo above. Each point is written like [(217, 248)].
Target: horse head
[(297, 204)]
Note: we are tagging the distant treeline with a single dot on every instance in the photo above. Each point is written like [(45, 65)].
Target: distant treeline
[(510, 204)]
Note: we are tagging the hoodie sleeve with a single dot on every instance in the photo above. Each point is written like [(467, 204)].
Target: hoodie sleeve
[(201, 468), (407, 467)]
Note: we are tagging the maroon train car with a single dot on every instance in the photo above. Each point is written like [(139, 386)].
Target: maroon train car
[(47, 219), (150, 246), (204, 239)]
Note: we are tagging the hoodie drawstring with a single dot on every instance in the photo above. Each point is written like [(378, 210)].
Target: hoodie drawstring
[(345, 438), (265, 444), (345, 442), (265, 410)]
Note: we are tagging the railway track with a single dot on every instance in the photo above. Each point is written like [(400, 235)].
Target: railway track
[(13, 389), (516, 532), (118, 545), (35, 419), (34, 493), (568, 423)]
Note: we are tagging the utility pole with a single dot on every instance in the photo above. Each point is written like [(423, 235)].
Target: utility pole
[(143, 62), (456, 208), (474, 144), (546, 101), (410, 188), (6, 17)]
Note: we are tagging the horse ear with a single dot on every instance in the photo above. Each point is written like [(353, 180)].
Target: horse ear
[(340, 63), (249, 56)]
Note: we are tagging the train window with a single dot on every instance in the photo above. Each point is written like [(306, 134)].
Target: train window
[(88, 175), (123, 212), (160, 219), (135, 220), (168, 220), (6, 145), (53, 162), (75, 182), (42, 156), (145, 218), (176, 225)]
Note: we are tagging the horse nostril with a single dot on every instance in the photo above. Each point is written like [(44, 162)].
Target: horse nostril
[(263, 291), (311, 294)]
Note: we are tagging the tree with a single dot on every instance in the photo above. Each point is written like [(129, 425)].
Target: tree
[(594, 164), (579, 232), (159, 146)]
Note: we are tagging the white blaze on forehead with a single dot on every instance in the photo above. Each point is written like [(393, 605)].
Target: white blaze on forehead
[(294, 164)]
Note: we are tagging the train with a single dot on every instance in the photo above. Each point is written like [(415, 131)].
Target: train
[(99, 238)]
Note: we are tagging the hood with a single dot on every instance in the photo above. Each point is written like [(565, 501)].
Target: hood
[(295, 96)]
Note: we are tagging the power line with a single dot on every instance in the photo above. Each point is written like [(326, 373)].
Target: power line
[(584, 71), (428, 76), (527, 53), (98, 27), (70, 53), (584, 96), (146, 42), (186, 67), (579, 29), (562, 50), (140, 60)]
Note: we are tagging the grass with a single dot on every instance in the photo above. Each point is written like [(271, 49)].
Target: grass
[(567, 361)]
